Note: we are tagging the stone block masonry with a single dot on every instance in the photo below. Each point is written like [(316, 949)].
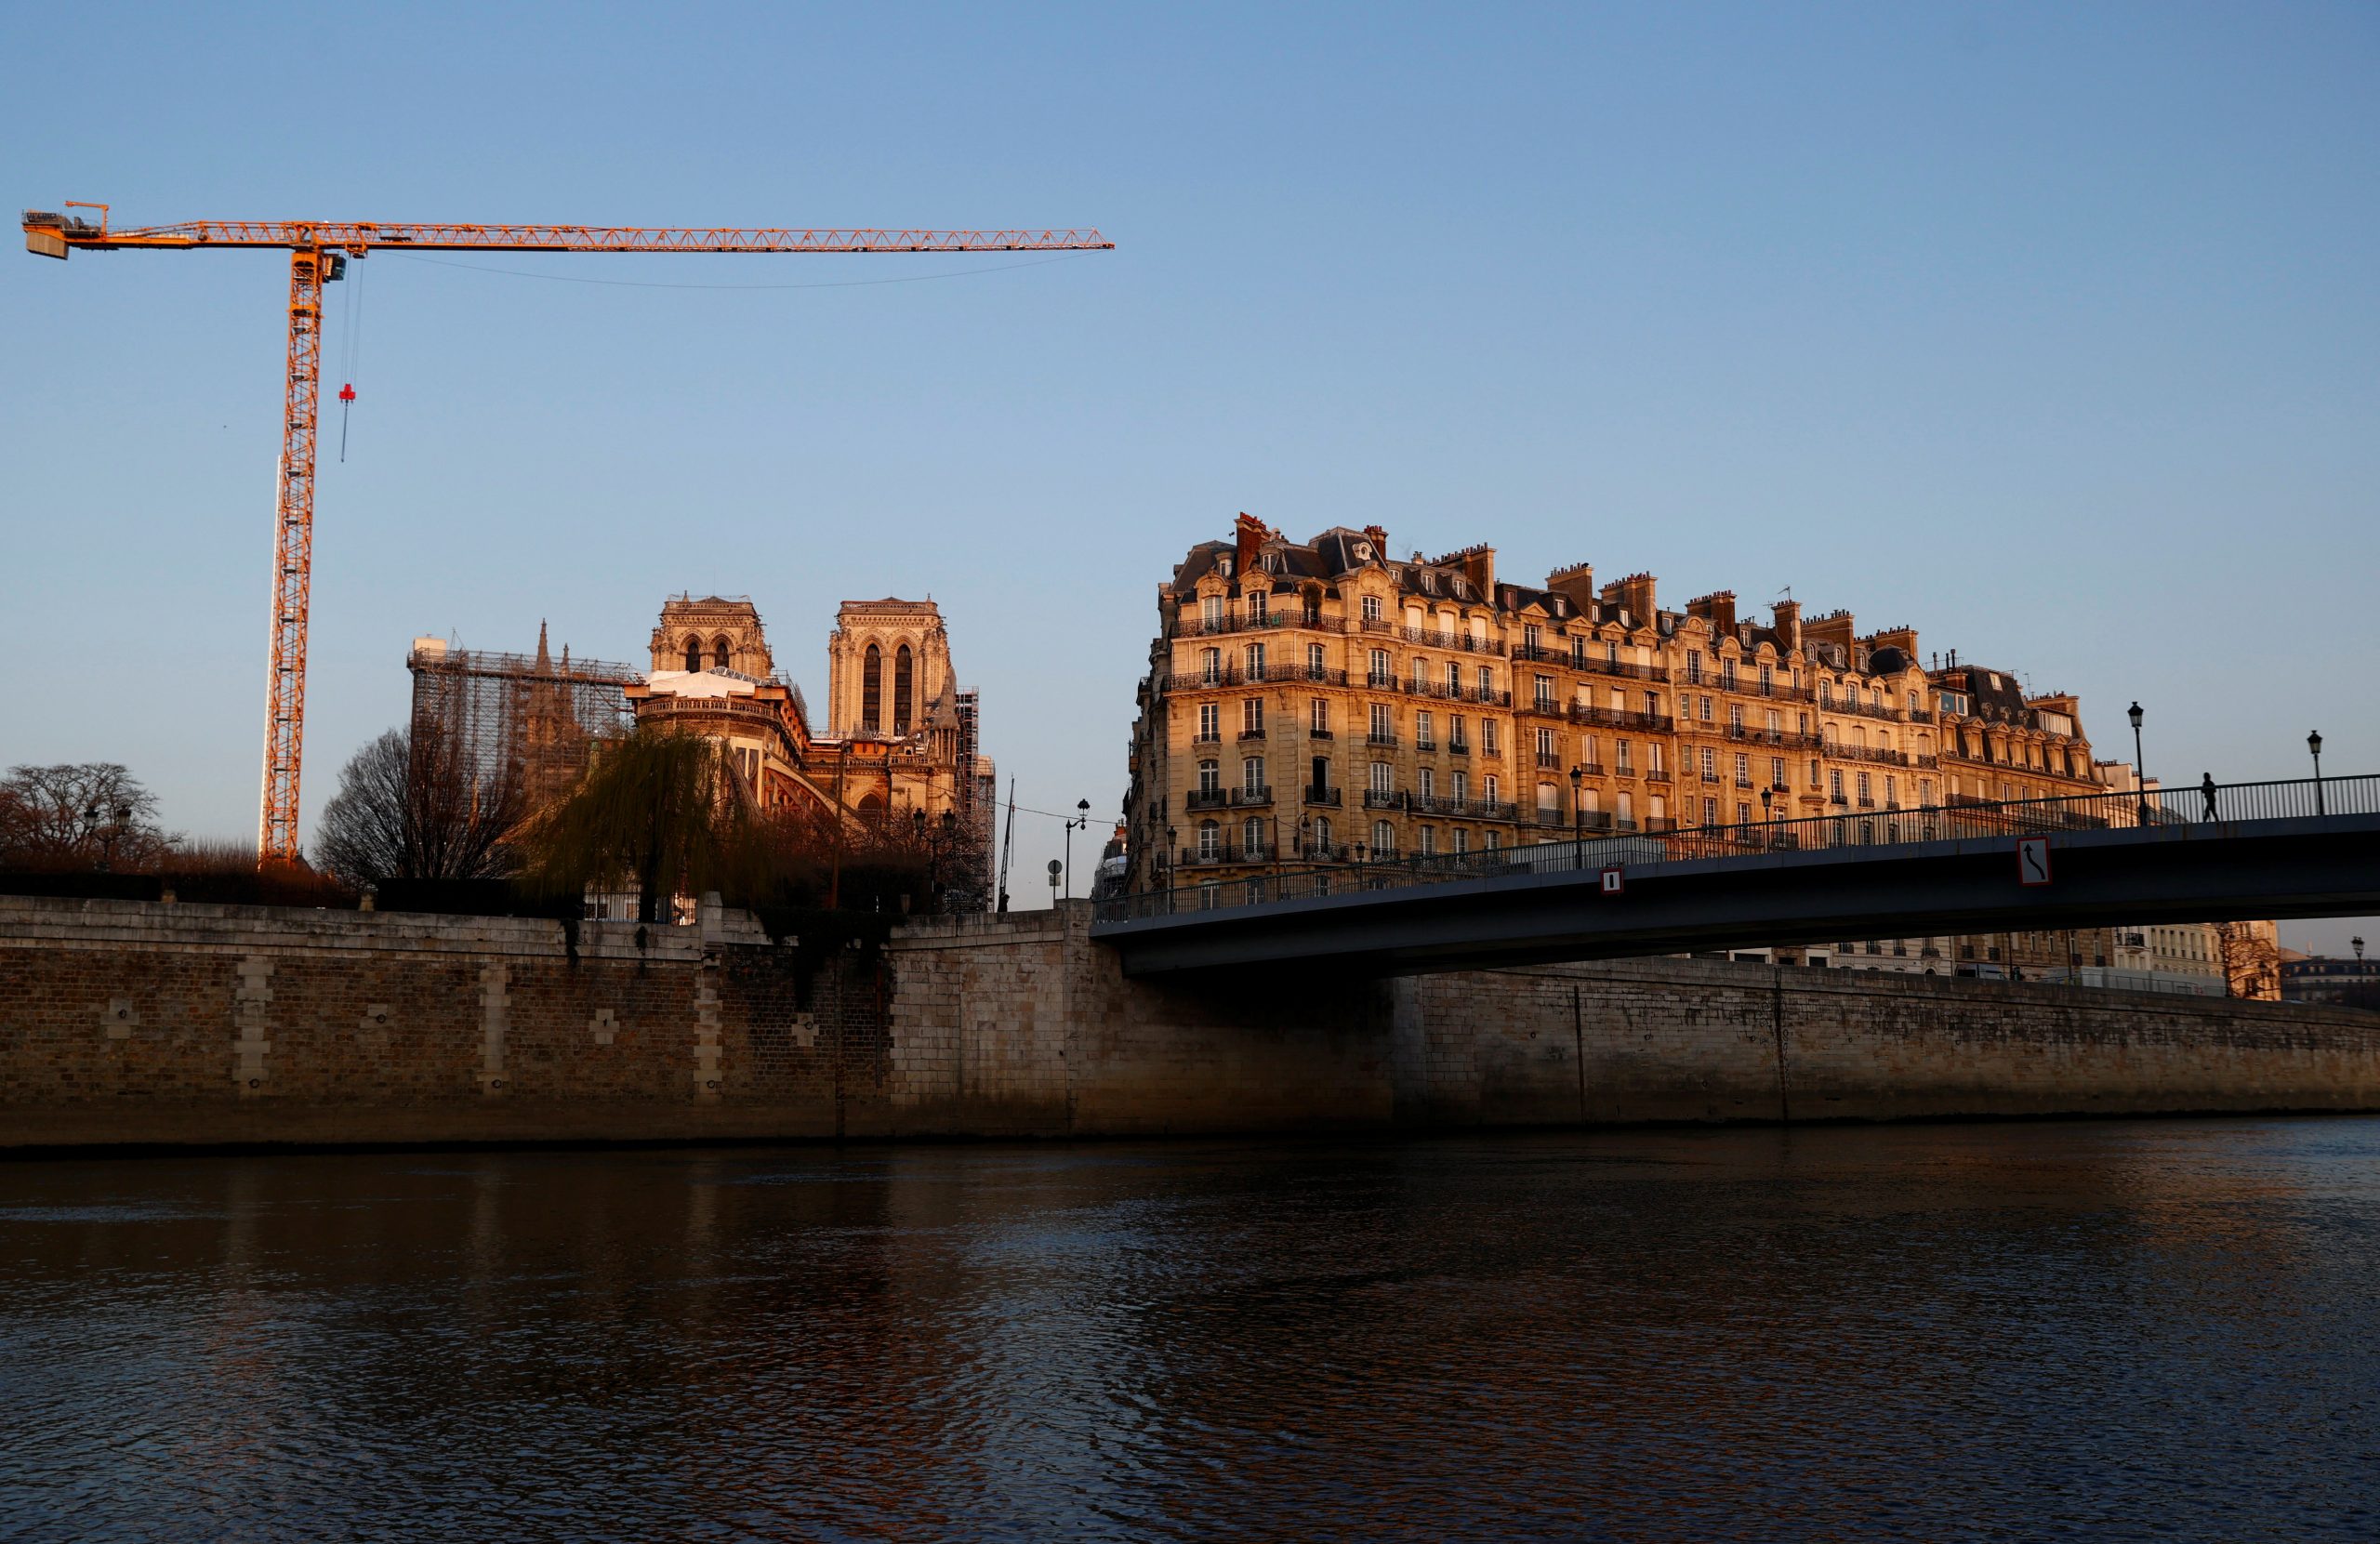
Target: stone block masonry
[(126, 1023)]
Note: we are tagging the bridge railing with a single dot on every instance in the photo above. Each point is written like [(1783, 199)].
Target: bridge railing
[(1352, 869)]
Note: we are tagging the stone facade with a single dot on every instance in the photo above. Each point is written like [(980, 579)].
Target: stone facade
[(126, 1023), (1324, 702)]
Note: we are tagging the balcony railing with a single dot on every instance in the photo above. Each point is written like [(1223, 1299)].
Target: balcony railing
[(1248, 734), (1206, 799), (1241, 675), (1325, 798), (1618, 717), (1244, 798), (1436, 639), (1380, 737), (1383, 798)]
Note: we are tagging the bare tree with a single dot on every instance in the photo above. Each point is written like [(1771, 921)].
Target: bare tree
[(2250, 955), (84, 814), (412, 806)]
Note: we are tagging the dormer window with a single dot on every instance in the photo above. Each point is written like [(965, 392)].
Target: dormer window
[(1222, 567)]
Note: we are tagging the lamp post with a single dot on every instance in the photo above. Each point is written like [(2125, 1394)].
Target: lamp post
[(1080, 823), (1360, 850), (2314, 743), (2357, 941), (2139, 775), (1578, 820), (107, 825)]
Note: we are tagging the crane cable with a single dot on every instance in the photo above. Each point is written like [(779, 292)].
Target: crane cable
[(351, 349)]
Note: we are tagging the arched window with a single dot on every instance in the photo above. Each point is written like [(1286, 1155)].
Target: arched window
[(1383, 840), (719, 650), (1252, 843), (1322, 835), (872, 806), (901, 682), (693, 654), (871, 692), (1209, 841)]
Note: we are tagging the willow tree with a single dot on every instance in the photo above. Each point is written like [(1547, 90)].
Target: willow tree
[(661, 810)]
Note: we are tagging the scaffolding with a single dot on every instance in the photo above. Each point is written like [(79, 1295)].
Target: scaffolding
[(531, 722)]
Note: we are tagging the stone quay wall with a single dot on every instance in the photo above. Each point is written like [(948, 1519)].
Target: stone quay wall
[(126, 1023)]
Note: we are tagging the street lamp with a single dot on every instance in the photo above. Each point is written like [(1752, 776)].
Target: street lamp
[(96, 823), (2314, 743), (1578, 819), (2139, 776), (1080, 823), (2357, 943)]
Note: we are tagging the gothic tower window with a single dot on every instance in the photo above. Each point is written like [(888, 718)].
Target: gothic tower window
[(693, 655), (719, 650), (901, 693), (872, 690)]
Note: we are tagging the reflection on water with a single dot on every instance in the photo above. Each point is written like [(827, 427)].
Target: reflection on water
[(2116, 1330)]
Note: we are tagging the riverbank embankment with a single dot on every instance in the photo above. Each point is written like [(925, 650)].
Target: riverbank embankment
[(129, 1023)]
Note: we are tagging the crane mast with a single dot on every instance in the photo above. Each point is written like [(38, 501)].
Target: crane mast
[(318, 254)]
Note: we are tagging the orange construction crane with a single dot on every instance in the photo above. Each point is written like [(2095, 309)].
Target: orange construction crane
[(318, 254)]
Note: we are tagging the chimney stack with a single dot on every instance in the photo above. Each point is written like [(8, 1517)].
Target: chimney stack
[(1633, 595), (1249, 536), (1719, 607), (1834, 628), (1577, 582)]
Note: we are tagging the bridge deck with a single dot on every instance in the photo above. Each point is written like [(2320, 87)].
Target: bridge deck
[(1551, 903)]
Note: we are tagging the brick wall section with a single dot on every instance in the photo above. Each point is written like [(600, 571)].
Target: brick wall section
[(124, 1022)]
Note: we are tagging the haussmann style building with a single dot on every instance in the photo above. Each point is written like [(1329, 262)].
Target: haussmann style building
[(1324, 702)]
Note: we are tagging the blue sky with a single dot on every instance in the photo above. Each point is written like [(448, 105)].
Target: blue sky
[(2050, 329)]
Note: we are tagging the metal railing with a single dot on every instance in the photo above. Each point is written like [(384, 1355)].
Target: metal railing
[(2175, 812)]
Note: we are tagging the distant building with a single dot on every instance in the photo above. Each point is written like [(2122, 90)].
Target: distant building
[(901, 744), (2323, 979)]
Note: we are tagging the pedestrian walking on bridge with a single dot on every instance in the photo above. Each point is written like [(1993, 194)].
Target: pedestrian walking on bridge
[(2206, 790)]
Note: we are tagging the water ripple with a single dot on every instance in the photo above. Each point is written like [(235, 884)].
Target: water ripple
[(2119, 1330)]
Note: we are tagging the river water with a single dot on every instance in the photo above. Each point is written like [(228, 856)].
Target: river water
[(2103, 1330)]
